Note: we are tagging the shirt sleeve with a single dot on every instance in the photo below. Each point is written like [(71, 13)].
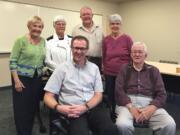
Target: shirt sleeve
[(103, 52), (120, 95), (98, 87), (49, 62), (160, 96), (15, 54), (54, 83)]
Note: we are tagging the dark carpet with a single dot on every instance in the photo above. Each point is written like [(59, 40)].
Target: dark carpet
[(7, 126)]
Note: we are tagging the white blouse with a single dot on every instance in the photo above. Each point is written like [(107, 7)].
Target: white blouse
[(58, 51)]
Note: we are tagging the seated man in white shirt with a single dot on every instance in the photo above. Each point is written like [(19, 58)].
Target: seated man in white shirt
[(58, 50), (79, 86)]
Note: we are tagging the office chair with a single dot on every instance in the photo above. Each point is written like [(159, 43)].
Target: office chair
[(60, 126), (142, 125)]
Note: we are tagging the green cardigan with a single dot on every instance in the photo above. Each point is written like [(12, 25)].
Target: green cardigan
[(26, 58)]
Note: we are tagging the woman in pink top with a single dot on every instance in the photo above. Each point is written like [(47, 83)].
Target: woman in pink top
[(116, 52)]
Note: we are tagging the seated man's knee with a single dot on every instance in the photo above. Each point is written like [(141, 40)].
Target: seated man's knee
[(170, 126), (166, 125), (124, 126)]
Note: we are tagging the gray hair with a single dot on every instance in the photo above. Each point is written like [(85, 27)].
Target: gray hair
[(115, 18), (59, 18), (140, 43), (85, 7)]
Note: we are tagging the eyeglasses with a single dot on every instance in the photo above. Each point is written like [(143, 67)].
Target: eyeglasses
[(115, 23), (138, 52), (86, 14), (79, 48), (60, 24)]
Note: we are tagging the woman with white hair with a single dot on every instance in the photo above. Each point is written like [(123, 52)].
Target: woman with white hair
[(58, 45), (116, 52), (58, 48)]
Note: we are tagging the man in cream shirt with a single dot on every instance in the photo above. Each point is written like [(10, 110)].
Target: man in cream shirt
[(93, 33)]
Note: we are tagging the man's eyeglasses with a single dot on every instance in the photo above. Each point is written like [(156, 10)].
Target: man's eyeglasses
[(138, 52), (79, 48)]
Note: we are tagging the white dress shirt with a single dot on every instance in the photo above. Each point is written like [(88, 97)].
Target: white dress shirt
[(74, 84)]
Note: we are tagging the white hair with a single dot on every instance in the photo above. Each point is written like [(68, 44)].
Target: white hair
[(140, 43), (59, 18), (115, 18)]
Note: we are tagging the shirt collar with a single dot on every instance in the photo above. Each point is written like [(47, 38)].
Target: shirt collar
[(145, 66), (55, 36), (78, 66), (94, 27)]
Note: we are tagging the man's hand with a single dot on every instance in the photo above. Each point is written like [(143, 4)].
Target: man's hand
[(77, 110), (146, 113), (72, 111), (135, 112)]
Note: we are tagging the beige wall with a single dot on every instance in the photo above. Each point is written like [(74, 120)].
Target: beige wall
[(74, 5), (157, 23), (5, 79), (99, 7)]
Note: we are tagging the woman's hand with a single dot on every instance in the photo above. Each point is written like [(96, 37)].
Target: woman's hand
[(19, 86)]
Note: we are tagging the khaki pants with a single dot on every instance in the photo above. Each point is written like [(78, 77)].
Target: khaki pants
[(161, 121)]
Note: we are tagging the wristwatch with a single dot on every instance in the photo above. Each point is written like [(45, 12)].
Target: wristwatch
[(88, 108)]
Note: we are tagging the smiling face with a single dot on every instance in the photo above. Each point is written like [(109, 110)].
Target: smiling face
[(35, 29), (115, 27), (138, 54), (59, 27), (79, 50), (86, 16)]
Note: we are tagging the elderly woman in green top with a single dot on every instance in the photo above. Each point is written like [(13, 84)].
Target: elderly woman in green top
[(26, 63)]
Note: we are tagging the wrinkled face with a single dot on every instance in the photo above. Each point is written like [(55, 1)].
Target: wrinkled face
[(138, 54), (59, 27), (86, 15), (115, 27), (79, 50), (35, 29)]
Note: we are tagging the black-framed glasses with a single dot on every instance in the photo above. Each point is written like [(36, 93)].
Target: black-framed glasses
[(79, 48)]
